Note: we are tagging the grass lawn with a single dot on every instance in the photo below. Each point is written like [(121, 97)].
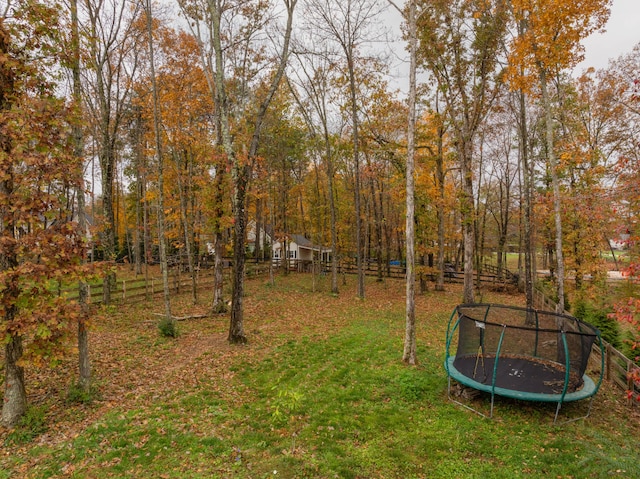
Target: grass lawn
[(319, 392)]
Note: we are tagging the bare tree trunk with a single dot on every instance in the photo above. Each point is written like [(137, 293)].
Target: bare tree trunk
[(440, 179), (107, 165), (158, 137), (284, 217), (553, 167), (146, 233), (356, 167), (524, 158), (137, 237), (467, 216), (219, 305), (236, 325), (332, 211), (186, 224), (84, 365), (258, 251), (378, 230), (409, 354), (14, 402)]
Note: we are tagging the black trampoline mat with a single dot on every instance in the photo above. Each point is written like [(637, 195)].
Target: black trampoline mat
[(518, 373)]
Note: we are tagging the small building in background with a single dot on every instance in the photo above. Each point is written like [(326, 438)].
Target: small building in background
[(300, 252)]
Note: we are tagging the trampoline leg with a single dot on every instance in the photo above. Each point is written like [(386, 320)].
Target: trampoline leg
[(557, 411), (464, 405), (589, 409), (491, 410), (577, 418)]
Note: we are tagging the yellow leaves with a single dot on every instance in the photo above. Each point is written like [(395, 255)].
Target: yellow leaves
[(549, 36)]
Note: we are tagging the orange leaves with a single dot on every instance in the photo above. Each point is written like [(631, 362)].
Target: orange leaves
[(549, 36), (39, 243)]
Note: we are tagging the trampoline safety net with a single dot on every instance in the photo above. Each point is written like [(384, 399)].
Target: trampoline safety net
[(532, 348)]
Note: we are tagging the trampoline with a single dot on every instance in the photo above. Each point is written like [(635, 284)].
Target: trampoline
[(522, 354)]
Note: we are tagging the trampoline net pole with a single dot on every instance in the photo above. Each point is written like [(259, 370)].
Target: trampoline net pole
[(495, 367), (535, 350)]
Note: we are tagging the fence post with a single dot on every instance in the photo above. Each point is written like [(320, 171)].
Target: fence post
[(607, 363), (629, 383), (124, 289)]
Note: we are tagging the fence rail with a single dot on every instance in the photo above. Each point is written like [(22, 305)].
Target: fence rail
[(618, 367), (141, 288)]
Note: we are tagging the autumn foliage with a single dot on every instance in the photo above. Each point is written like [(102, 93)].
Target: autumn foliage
[(40, 246), (270, 123)]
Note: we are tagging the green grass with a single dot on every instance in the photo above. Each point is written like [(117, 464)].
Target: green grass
[(336, 401)]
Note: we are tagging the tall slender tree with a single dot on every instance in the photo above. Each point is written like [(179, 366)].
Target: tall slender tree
[(162, 240), (348, 24), (460, 44), (409, 354), (84, 364), (242, 26), (548, 42), (112, 43)]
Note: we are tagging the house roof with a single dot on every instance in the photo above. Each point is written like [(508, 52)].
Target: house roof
[(303, 242)]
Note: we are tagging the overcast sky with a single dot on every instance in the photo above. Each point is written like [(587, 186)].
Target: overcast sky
[(623, 32)]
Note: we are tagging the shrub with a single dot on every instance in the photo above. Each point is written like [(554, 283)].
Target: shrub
[(168, 328), (629, 339), (600, 318), (31, 425), (78, 394), (286, 403)]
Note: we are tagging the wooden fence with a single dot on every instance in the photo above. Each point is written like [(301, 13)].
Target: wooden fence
[(139, 289), (489, 274), (618, 367), (179, 280)]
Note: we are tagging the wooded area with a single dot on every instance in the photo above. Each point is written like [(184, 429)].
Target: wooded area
[(138, 132)]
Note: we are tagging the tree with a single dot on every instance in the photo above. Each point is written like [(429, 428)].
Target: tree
[(347, 24), (39, 243), (460, 44), (162, 240), (314, 78), (241, 25), (440, 176), (84, 364), (526, 175), (409, 354), (548, 43), (109, 69)]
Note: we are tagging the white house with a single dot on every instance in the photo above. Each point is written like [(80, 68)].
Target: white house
[(300, 251), (622, 242), (265, 236)]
